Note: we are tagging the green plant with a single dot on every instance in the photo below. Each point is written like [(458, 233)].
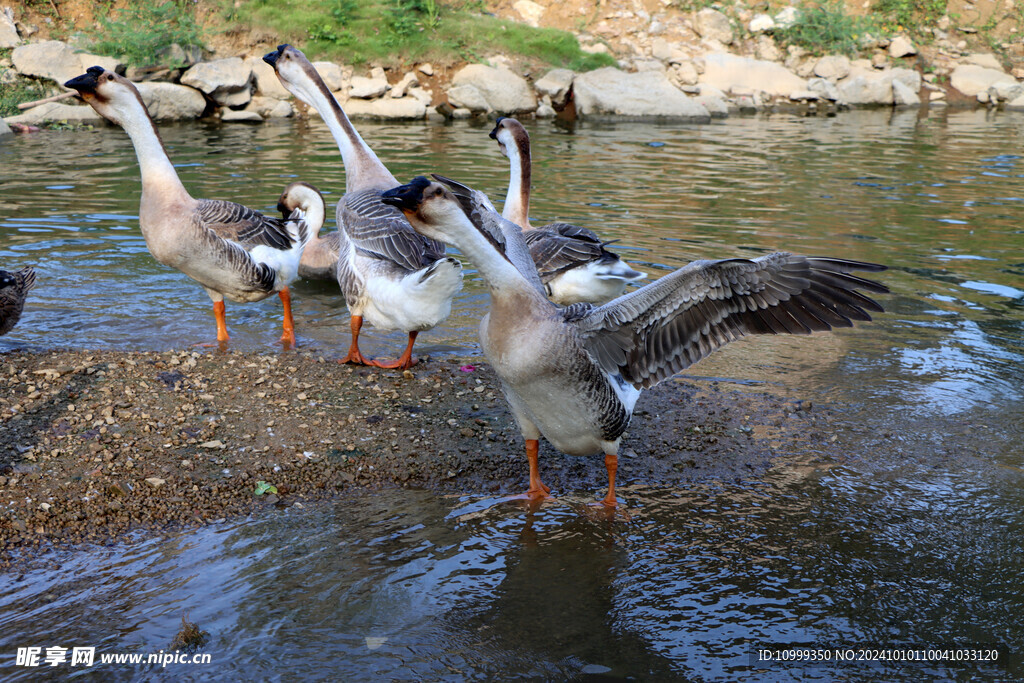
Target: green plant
[(903, 15), (13, 94), (825, 28), (144, 31)]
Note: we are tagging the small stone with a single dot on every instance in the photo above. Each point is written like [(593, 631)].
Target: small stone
[(216, 443), (155, 482)]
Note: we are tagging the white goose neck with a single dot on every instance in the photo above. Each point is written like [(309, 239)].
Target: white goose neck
[(157, 171), (517, 200), (503, 278), (363, 170)]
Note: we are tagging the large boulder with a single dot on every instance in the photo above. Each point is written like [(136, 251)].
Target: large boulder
[(555, 84), (8, 31), (364, 88), (503, 90), (332, 74), (903, 96), (226, 81), (866, 87), (728, 72), (468, 97), (270, 107), (971, 79), (50, 59), (267, 82), (57, 111), (387, 108), (171, 102), (832, 67), (711, 24), (649, 93)]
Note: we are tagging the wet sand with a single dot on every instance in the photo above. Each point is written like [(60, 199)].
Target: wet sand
[(94, 445)]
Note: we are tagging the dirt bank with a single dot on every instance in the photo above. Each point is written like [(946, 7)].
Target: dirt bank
[(94, 444)]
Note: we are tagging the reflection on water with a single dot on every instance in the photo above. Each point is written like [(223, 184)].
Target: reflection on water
[(913, 540)]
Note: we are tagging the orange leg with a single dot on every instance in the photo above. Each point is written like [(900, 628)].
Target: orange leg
[(537, 488), (222, 325), (403, 362), (355, 323), (612, 463), (288, 326)]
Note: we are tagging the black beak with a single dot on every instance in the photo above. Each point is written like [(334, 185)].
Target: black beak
[(497, 125), (87, 82), (406, 197), (272, 57)]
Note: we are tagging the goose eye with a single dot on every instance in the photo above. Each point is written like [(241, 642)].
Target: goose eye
[(438, 192), (110, 77)]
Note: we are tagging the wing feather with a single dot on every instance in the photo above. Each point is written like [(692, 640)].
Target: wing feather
[(656, 331), (243, 225), (560, 247), (382, 231)]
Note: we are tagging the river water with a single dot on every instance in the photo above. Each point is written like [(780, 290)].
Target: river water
[(908, 534)]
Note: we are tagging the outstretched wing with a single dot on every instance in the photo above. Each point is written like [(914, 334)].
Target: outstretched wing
[(382, 231), (244, 225), (656, 331)]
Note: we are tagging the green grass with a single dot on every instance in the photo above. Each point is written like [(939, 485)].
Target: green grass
[(394, 32), (143, 31), (826, 28), (909, 15), (12, 95)]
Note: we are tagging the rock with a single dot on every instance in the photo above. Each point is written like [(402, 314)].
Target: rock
[(711, 24), (5, 129), (87, 60), (8, 31), (661, 49), (761, 23), (234, 98), (400, 89), (903, 96), (170, 101), (555, 84), (909, 77), (50, 59), (726, 72), (717, 107), (267, 82), (879, 60), (243, 116), (503, 90), (422, 95), (387, 108), (224, 75), (787, 17), (530, 11), (687, 73), (331, 73), (971, 79), (648, 65), (468, 97), (1015, 104), (364, 88), (804, 96), (56, 111), (825, 88), (155, 482), (832, 67), (1005, 91), (984, 59), (866, 88), (270, 108), (901, 47), (544, 111), (611, 91), (461, 113), (766, 50), (427, 69)]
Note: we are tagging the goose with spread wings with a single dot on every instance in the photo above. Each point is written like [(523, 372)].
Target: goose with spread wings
[(574, 374), (572, 261), (389, 274), (231, 250)]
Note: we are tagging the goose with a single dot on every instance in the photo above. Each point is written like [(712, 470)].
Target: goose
[(573, 263), (231, 250), (13, 290), (390, 275), (320, 257), (574, 374)]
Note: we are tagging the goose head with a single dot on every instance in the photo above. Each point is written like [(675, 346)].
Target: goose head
[(432, 208), (295, 72), (302, 196), (114, 97), (511, 135)]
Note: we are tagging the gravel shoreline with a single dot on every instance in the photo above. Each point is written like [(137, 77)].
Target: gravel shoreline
[(94, 445)]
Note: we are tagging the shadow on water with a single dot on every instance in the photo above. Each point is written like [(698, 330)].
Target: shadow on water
[(905, 534)]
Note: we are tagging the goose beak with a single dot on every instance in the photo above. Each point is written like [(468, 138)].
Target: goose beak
[(272, 57), (497, 124), (406, 197), (87, 82)]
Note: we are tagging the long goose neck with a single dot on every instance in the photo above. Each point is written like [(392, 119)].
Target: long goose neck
[(517, 201), (504, 279), (158, 174), (363, 170)]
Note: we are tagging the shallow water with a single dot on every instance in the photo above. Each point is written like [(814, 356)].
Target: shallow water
[(913, 539)]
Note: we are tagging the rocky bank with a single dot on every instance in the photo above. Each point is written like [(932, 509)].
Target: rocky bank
[(686, 65)]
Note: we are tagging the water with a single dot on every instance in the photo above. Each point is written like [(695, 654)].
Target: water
[(912, 539)]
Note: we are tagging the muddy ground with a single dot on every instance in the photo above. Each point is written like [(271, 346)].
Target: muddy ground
[(95, 444)]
